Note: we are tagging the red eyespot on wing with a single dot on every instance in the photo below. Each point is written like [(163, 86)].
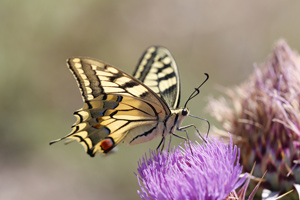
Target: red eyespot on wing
[(107, 144)]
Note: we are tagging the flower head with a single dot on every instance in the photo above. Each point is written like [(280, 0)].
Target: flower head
[(211, 171), (263, 114)]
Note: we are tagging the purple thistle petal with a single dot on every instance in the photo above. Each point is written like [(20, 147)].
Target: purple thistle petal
[(211, 172)]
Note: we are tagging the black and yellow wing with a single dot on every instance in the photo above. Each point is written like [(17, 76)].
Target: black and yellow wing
[(158, 70), (117, 107)]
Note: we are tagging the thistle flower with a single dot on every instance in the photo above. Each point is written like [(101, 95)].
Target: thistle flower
[(263, 115), (211, 172)]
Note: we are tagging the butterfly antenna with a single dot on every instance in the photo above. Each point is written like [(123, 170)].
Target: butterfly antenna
[(197, 90)]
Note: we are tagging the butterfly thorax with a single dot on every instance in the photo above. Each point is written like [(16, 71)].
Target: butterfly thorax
[(175, 119)]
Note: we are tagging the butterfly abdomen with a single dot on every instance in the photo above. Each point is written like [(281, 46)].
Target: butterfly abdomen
[(141, 134), (162, 128)]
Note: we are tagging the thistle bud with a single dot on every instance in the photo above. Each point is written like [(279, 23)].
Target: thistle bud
[(263, 116)]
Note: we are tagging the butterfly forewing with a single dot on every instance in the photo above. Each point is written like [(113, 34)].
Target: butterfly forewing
[(117, 107), (157, 69)]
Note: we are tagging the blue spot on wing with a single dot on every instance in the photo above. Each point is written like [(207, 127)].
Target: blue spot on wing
[(106, 130)]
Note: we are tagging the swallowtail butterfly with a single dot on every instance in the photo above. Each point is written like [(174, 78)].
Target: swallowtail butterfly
[(119, 107)]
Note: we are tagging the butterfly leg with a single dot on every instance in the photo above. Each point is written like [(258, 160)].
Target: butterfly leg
[(161, 145), (192, 125), (169, 143), (186, 139)]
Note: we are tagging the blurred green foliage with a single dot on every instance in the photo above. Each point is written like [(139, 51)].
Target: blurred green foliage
[(39, 94)]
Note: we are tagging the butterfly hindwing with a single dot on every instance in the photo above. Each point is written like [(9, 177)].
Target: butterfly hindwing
[(117, 107), (157, 69), (102, 124)]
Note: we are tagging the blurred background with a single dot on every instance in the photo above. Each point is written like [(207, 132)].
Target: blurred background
[(38, 94)]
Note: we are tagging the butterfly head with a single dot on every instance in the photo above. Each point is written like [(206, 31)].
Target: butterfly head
[(178, 115), (185, 112)]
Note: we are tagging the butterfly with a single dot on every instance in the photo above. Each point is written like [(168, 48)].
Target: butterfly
[(134, 109)]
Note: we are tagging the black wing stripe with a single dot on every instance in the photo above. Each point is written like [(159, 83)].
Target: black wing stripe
[(146, 68), (95, 83)]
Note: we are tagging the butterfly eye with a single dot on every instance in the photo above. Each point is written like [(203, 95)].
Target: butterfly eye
[(184, 112)]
